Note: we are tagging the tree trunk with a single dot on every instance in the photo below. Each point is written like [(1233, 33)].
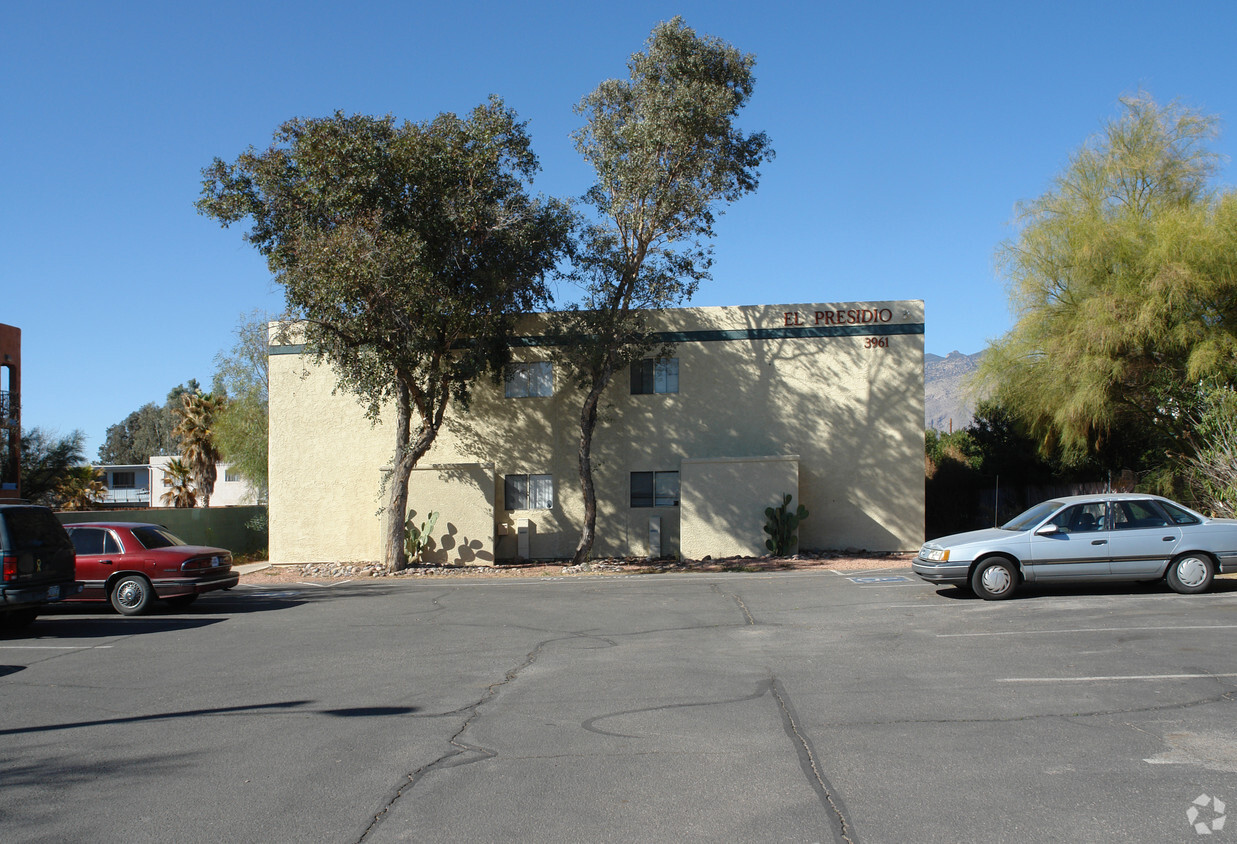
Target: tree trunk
[(407, 455), (394, 556), (588, 423)]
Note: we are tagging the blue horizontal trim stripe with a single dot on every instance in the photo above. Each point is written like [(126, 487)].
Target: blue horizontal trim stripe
[(809, 332), (780, 333)]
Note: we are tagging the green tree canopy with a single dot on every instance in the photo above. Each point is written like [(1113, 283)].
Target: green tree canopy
[(146, 432), (47, 461), (1123, 280), (667, 157), (241, 426), (404, 251)]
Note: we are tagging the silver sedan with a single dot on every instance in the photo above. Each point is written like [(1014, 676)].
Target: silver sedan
[(1115, 536)]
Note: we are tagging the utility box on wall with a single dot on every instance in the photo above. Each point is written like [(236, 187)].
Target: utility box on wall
[(654, 537), (522, 540)]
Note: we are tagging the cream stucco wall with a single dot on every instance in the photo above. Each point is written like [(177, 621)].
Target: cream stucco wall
[(724, 502), (846, 397)]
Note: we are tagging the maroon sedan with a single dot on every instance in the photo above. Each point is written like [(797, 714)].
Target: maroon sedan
[(132, 564)]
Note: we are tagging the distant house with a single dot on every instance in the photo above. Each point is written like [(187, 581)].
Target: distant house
[(143, 486), (127, 486)]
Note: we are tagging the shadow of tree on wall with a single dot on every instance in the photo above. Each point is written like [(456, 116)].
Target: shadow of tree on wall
[(852, 414)]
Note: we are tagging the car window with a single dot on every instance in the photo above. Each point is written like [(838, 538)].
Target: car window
[(1178, 515), (1081, 518), (24, 528), (155, 537), (1032, 517), (1128, 515), (87, 540)]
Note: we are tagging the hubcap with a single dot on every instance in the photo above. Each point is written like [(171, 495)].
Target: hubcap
[(996, 580), (129, 594), (1192, 571)]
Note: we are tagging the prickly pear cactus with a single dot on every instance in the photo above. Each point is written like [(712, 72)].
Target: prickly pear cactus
[(781, 526), (417, 539)]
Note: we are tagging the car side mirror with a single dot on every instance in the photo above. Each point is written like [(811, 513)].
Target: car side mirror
[(1049, 530)]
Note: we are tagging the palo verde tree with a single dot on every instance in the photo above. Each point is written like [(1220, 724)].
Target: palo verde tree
[(404, 251), (668, 156), (1124, 282)]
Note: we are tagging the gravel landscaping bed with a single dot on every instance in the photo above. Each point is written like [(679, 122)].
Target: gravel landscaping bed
[(826, 560)]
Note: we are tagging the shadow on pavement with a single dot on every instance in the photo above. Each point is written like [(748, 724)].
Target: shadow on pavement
[(1039, 591)]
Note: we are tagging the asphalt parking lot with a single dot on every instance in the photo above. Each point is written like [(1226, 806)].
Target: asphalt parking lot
[(741, 707)]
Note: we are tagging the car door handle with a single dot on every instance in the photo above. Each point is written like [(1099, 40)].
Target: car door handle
[(1170, 538), (105, 562), (1099, 541)]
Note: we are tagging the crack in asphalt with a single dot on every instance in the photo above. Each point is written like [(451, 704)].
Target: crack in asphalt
[(839, 822), (1168, 707), (473, 753), (840, 825), (734, 597)]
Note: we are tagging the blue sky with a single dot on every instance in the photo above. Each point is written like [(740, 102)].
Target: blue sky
[(906, 133)]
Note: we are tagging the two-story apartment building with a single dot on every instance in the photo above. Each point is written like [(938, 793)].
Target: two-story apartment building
[(822, 401)]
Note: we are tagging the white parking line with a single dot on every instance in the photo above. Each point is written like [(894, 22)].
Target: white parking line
[(53, 647), (1118, 677), (1087, 630)]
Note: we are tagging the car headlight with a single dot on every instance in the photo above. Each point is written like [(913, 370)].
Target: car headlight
[(935, 555)]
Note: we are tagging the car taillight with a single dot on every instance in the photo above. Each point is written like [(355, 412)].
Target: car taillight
[(206, 563), (10, 567)]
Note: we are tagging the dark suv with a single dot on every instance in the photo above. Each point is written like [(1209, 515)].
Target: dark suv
[(38, 563)]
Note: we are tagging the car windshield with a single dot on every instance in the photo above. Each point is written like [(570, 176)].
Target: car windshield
[(1032, 517), (155, 537)]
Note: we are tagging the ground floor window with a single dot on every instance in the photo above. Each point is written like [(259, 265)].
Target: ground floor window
[(528, 492), (654, 489)]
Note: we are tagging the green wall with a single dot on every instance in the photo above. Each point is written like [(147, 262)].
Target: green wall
[(222, 527)]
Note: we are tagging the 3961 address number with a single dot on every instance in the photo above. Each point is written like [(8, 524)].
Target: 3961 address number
[(876, 343)]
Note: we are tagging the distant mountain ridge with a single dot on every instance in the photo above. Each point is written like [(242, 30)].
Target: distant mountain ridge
[(948, 402)]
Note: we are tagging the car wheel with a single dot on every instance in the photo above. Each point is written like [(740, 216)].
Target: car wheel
[(18, 619), (1191, 573), (132, 595), (179, 602), (995, 579)]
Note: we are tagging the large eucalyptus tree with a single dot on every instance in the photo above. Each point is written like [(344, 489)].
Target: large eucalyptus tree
[(667, 156)]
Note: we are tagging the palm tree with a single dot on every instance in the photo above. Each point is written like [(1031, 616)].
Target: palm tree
[(178, 478), (197, 440), (80, 489)]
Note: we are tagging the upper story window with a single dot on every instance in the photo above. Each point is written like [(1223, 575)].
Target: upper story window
[(528, 492), (124, 480), (231, 475), (659, 375), (530, 379)]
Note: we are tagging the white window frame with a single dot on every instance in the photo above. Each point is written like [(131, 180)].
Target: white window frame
[(534, 492)]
